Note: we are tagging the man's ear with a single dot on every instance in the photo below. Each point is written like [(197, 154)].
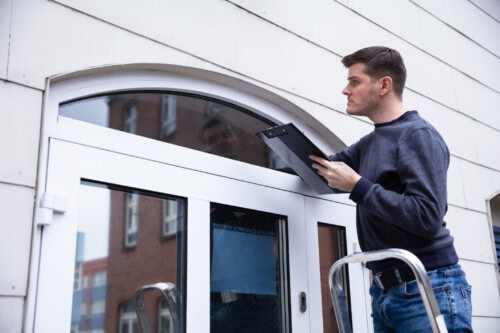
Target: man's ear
[(385, 85)]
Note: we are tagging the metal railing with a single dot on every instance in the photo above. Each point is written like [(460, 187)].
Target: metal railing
[(424, 286), (167, 289)]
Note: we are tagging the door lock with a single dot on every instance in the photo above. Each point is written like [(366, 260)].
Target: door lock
[(303, 302)]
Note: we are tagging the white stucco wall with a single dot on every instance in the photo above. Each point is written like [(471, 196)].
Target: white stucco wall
[(292, 48)]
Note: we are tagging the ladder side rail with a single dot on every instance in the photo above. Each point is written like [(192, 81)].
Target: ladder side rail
[(424, 286), (167, 289)]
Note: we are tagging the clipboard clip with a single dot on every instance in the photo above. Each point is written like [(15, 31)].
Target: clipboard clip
[(275, 132)]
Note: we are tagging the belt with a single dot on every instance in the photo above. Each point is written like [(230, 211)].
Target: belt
[(390, 278)]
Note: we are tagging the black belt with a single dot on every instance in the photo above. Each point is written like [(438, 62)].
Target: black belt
[(390, 278)]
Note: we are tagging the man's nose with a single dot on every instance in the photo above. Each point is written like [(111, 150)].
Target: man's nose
[(345, 91)]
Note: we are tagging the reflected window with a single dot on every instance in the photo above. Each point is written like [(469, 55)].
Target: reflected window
[(131, 219), (110, 274), (168, 116), (130, 119), (332, 247), (172, 215), (187, 120), (248, 271), (128, 319), (166, 324)]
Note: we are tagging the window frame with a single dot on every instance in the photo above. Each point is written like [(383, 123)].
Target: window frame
[(98, 84)]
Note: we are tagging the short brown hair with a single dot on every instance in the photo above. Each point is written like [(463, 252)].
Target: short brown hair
[(380, 61)]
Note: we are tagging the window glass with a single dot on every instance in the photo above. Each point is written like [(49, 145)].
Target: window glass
[(332, 247), (186, 120), (248, 272), (112, 271)]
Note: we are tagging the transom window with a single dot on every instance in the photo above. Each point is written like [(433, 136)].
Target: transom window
[(187, 120)]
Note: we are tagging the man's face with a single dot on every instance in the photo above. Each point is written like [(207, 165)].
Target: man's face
[(220, 140), (361, 92)]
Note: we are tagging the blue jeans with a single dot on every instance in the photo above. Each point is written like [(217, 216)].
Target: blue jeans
[(401, 309)]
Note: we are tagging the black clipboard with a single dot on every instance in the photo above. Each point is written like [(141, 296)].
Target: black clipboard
[(293, 147)]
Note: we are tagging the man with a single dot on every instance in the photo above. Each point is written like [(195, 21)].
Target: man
[(397, 177), (218, 138)]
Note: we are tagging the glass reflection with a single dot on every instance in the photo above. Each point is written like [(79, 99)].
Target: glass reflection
[(121, 246), (186, 120), (332, 247), (248, 271)]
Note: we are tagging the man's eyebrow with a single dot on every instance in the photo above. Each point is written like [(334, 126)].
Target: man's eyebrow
[(353, 77)]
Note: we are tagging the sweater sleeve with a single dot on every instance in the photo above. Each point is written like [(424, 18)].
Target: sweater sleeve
[(423, 160)]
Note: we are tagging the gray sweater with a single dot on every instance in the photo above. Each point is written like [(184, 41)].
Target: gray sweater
[(402, 195)]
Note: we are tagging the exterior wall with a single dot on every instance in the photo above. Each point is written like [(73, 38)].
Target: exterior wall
[(291, 48)]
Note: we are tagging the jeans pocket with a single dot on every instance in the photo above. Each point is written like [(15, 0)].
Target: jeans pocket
[(467, 295), (411, 288)]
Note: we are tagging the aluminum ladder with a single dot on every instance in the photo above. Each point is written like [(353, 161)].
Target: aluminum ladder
[(338, 296), (167, 289)]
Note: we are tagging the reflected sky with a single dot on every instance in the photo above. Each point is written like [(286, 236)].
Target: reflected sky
[(93, 220)]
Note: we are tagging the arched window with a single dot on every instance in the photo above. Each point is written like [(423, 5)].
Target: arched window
[(186, 120)]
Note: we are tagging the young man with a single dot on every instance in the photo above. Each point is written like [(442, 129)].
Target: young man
[(397, 177)]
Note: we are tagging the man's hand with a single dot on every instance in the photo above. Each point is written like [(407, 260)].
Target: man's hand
[(338, 174)]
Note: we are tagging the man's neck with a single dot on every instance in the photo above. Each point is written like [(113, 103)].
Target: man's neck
[(388, 112)]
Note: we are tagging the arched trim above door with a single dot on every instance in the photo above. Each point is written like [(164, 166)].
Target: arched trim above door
[(156, 77)]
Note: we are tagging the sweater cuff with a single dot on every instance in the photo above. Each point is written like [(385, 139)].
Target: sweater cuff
[(359, 191)]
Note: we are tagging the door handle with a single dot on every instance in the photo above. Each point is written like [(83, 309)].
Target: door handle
[(167, 289)]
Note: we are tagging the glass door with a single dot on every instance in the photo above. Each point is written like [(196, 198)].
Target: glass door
[(331, 236), (130, 222)]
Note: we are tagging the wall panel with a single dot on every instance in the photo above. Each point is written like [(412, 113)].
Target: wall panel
[(348, 32), (485, 296), (456, 194), (473, 22), (480, 184), (69, 43), (477, 101), (460, 222), (487, 138), (459, 136), (437, 38), (11, 314), (16, 220), (5, 20), (491, 7), (20, 116)]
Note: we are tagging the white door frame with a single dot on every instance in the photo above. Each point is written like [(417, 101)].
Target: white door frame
[(58, 129), (69, 163), (326, 212)]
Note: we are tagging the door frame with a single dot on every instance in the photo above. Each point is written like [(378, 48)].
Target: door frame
[(320, 211), (69, 163), (171, 78)]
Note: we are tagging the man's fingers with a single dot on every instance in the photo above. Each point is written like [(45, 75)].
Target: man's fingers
[(319, 160)]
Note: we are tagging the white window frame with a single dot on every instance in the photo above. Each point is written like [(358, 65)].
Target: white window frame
[(140, 80)]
